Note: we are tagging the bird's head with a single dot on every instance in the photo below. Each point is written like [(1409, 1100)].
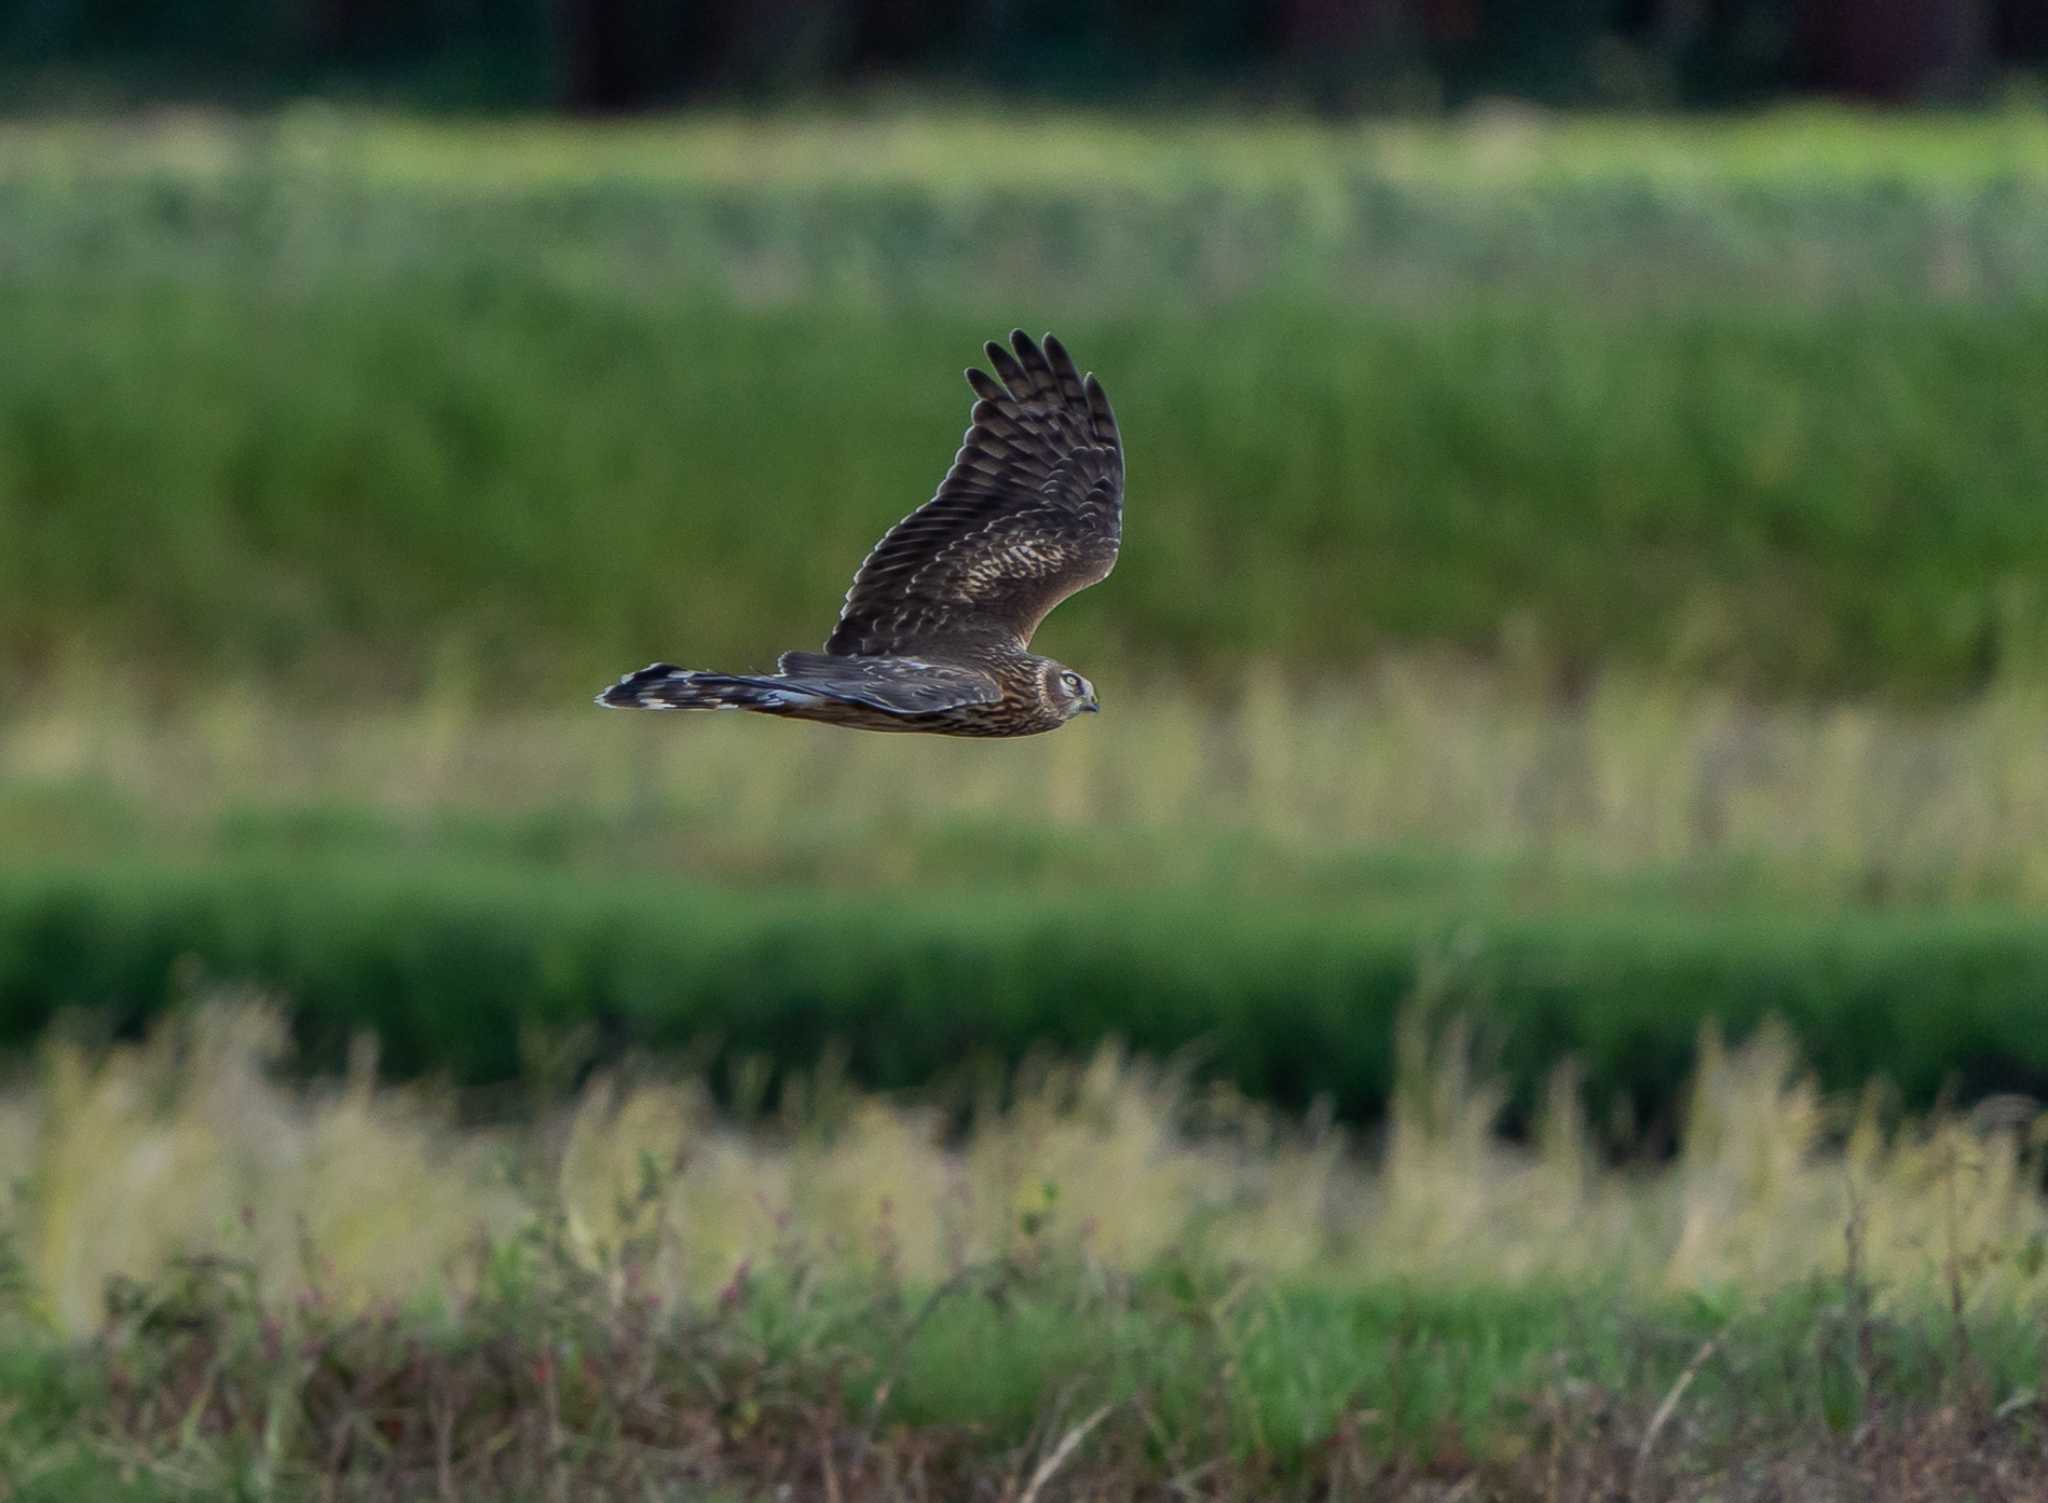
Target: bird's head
[(1067, 691)]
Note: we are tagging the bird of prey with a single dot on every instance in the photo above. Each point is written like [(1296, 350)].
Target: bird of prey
[(935, 634)]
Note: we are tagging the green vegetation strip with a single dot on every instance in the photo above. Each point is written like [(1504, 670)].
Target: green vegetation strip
[(1025, 146), (469, 969), (1114, 1385), (356, 491)]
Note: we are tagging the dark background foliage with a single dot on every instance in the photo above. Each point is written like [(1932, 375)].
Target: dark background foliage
[(1339, 55)]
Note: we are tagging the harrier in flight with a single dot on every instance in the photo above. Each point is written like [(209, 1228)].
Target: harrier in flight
[(936, 631)]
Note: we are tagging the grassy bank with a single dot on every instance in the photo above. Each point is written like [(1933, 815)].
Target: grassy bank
[(343, 404), (1038, 1380), (1102, 1281)]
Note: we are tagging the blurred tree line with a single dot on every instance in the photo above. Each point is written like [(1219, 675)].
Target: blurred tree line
[(1337, 55)]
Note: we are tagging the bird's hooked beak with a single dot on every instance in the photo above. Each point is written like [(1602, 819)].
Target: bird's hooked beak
[(1091, 704)]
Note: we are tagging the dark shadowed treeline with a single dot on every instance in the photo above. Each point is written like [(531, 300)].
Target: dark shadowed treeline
[(1344, 55)]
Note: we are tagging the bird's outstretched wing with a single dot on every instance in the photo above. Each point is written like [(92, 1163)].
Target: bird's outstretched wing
[(1031, 511)]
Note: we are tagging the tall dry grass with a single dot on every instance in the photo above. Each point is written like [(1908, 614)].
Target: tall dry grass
[(130, 1156), (1858, 799)]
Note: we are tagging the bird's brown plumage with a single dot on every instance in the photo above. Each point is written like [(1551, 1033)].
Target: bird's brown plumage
[(935, 631), (1030, 512)]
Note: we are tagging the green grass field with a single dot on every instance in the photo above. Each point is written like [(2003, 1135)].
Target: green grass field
[(1607, 553), (338, 404), (1533, 989)]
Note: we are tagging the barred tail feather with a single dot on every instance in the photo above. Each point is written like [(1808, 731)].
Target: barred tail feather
[(664, 686)]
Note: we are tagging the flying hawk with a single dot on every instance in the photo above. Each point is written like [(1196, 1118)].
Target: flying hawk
[(935, 633)]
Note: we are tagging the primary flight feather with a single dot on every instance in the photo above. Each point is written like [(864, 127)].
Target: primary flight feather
[(936, 631)]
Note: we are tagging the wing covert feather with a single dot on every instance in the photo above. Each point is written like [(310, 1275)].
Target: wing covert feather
[(1030, 512), (898, 685)]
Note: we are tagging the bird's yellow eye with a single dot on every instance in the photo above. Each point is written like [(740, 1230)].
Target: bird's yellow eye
[(1072, 681)]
